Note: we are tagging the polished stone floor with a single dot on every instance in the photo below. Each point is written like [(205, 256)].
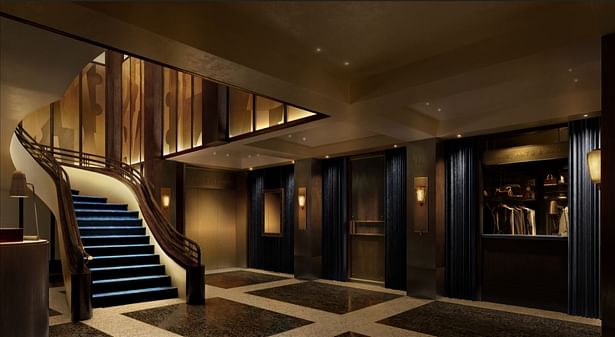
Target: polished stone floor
[(239, 278), (257, 303)]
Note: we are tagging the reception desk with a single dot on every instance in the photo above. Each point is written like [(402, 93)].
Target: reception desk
[(24, 289)]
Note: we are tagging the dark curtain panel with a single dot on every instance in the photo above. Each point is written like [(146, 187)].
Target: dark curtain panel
[(584, 228), (395, 219), (256, 180), (335, 219), (462, 218), (271, 252)]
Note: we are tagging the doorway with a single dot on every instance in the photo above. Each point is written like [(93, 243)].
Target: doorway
[(366, 232)]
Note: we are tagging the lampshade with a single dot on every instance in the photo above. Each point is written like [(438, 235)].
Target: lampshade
[(18, 185), (593, 163)]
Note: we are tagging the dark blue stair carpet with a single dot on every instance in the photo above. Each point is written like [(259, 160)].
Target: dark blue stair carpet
[(132, 296), (97, 205), (129, 283), (124, 267)]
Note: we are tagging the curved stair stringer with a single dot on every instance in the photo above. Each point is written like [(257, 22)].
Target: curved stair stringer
[(95, 183), (77, 285)]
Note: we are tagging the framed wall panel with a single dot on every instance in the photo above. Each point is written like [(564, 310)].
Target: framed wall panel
[(184, 111), (136, 110), (268, 113), (126, 111), (240, 112), (169, 111), (38, 125), (66, 119)]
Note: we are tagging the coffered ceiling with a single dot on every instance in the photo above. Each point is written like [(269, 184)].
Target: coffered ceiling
[(415, 70)]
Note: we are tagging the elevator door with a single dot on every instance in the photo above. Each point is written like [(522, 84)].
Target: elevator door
[(367, 218), (210, 221)]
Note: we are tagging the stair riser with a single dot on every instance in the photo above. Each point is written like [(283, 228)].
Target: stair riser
[(110, 222), (105, 251), (124, 261), (106, 213), (131, 284), (115, 241), (119, 207), (112, 231), (132, 298), (127, 272), (85, 198)]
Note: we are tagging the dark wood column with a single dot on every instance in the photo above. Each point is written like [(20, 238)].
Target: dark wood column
[(214, 113), (607, 193), (421, 268), (113, 105), (308, 252)]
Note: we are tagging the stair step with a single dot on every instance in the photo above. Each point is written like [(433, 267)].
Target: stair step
[(130, 283), (88, 222), (90, 198), (119, 249), (111, 230), (132, 296), (105, 213), (79, 205), (105, 273), (123, 260), (74, 192), (105, 240)]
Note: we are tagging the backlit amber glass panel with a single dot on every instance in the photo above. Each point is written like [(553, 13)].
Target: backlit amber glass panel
[(197, 112), (126, 111), (295, 113), (66, 118), (184, 111), (93, 109), (169, 111), (136, 109), (38, 125), (268, 113), (240, 112)]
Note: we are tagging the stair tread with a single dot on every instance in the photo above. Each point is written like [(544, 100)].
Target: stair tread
[(125, 267), (135, 291), (94, 210), (134, 278), (109, 219), (112, 236), (96, 203), (121, 256), (118, 246), (110, 227)]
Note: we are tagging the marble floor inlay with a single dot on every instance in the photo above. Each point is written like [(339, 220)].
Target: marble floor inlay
[(218, 317), (351, 334), (239, 278), (454, 320), (74, 330), (327, 297)]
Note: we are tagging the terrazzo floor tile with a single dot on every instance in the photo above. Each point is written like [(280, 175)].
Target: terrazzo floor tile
[(74, 330), (239, 278), (454, 320), (327, 297), (218, 317)]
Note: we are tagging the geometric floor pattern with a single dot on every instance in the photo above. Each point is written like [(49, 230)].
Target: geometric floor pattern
[(268, 309)]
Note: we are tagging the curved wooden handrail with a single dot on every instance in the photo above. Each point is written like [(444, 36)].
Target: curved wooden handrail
[(75, 255), (181, 249)]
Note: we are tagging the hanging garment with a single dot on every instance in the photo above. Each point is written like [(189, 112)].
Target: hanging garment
[(563, 222)]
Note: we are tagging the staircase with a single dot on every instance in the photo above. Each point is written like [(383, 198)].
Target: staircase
[(124, 267)]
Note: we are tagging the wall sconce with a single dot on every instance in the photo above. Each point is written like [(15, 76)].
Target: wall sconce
[(19, 189), (421, 209), (302, 212), (593, 163), (420, 195), (165, 201)]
